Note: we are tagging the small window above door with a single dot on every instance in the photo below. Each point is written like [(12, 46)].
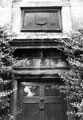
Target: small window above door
[(41, 19)]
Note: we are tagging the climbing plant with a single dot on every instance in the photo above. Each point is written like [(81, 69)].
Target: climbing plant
[(73, 78), (6, 62), (72, 47)]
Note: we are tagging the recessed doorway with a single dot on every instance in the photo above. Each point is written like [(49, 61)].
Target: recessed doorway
[(41, 101)]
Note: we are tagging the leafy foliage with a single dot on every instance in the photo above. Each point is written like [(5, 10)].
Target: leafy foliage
[(6, 62), (73, 87)]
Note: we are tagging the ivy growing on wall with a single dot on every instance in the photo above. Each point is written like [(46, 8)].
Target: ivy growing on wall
[(6, 62), (73, 87)]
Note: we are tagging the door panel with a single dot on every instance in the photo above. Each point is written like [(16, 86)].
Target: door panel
[(42, 101), (31, 90), (31, 111), (50, 90), (52, 111)]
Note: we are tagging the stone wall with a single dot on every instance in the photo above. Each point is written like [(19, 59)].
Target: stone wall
[(65, 14), (77, 13), (72, 14), (5, 12)]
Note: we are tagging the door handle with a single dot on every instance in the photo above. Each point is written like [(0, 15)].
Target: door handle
[(41, 99), (41, 104)]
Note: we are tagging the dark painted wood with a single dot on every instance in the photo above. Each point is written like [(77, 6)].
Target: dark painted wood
[(42, 107)]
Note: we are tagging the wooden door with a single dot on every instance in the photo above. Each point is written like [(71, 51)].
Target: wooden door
[(41, 101)]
